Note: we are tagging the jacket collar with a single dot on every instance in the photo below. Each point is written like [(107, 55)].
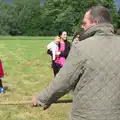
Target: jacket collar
[(101, 28)]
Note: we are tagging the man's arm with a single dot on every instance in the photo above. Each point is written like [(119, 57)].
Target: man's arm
[(65, 80)]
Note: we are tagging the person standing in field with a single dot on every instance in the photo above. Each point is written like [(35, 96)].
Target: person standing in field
[(53, 49), (2, 76), (63, 51), (92, 71)]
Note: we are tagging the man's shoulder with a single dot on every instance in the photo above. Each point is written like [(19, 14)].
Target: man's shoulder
[(117, 36), (83, 42), (99, 38)]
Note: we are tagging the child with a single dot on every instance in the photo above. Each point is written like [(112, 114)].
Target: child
[(53, 46), (53, 49), (1, 77), (1, 74)]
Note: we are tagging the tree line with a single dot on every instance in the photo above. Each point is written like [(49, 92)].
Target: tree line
[(31, 18)]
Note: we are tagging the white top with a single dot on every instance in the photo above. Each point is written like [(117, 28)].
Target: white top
[(54, 48)]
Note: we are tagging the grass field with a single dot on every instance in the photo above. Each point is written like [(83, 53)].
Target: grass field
[(27, 72)]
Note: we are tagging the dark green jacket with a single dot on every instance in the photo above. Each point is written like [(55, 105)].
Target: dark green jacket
[(92, 71)]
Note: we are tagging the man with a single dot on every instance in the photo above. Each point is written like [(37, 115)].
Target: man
[(92, 71)]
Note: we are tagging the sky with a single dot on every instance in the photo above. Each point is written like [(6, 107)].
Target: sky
[(117, 3)]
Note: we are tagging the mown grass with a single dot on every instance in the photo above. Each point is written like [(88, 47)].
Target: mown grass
[(27, 72)]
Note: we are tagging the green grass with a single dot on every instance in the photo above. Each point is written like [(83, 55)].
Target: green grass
[(27, 72)]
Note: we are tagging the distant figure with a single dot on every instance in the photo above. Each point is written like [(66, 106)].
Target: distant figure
[(2, 76), (76, 37)]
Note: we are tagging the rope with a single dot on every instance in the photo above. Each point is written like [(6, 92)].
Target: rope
[(15, 102), (29, 102)]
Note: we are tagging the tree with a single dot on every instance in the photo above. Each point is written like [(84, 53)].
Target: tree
[(110, 4), (29, 17)]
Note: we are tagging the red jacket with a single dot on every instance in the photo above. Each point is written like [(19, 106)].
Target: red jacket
[(1, 70)]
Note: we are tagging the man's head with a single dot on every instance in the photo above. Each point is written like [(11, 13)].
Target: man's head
[(95, 15)]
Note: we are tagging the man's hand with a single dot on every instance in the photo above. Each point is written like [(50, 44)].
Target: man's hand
[(34, 104)]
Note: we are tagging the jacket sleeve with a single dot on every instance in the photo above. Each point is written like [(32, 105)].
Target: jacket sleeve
[(65, 80), (66, 52)]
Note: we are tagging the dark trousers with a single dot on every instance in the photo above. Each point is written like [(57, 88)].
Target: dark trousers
[(1, 85), (56, 67)]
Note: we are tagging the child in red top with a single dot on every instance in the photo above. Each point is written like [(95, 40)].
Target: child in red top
[(1, 74)]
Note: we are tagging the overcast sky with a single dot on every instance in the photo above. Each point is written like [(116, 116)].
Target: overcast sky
[(118, 3)]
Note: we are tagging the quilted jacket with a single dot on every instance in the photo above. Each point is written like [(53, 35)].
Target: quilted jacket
[(92, 71)]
